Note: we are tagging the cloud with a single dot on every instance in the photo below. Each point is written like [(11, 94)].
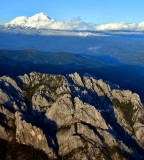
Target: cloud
[(112, 26), (121, 26), (94, 48)]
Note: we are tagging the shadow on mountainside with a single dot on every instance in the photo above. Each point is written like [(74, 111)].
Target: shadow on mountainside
[(49, 127), (16, 151)]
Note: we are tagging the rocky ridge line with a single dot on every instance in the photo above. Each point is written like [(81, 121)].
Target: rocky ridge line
[(71, 117)]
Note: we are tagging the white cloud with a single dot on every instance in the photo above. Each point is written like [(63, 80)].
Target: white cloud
[(121, 26), (112, 26), (94, 48)]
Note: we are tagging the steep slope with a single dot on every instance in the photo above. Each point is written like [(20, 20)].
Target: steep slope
[(71, 117)]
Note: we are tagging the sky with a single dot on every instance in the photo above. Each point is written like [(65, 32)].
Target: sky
[(95, 11)]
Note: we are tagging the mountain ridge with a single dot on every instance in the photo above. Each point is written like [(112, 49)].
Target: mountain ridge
[(43, 21), (72, 117)]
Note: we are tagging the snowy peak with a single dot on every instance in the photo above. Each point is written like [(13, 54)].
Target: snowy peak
[(18, 21), (38, 20), (40, 17), (43, 21)]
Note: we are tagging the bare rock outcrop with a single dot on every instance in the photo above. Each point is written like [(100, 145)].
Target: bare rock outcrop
[(72, 117)]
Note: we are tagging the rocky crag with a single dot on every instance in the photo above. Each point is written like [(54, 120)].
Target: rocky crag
[(71, 117)]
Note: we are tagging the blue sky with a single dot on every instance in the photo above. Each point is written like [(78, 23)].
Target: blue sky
[(96, 11)]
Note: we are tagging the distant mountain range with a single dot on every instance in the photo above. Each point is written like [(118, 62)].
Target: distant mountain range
[(74, 46), (43, 21), (40, 32)]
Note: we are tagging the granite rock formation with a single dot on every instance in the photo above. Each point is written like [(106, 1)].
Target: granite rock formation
[(70, 117)]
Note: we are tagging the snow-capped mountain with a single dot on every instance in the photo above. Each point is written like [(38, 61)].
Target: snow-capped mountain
[(40, 20), (43, 21)]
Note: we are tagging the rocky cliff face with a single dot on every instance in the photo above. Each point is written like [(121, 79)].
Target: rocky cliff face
[(71, 117)]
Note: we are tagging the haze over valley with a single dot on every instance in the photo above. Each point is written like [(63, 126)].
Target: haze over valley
[(114, 55)]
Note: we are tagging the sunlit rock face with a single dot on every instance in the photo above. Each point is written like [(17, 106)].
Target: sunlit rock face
[(71, 117)]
